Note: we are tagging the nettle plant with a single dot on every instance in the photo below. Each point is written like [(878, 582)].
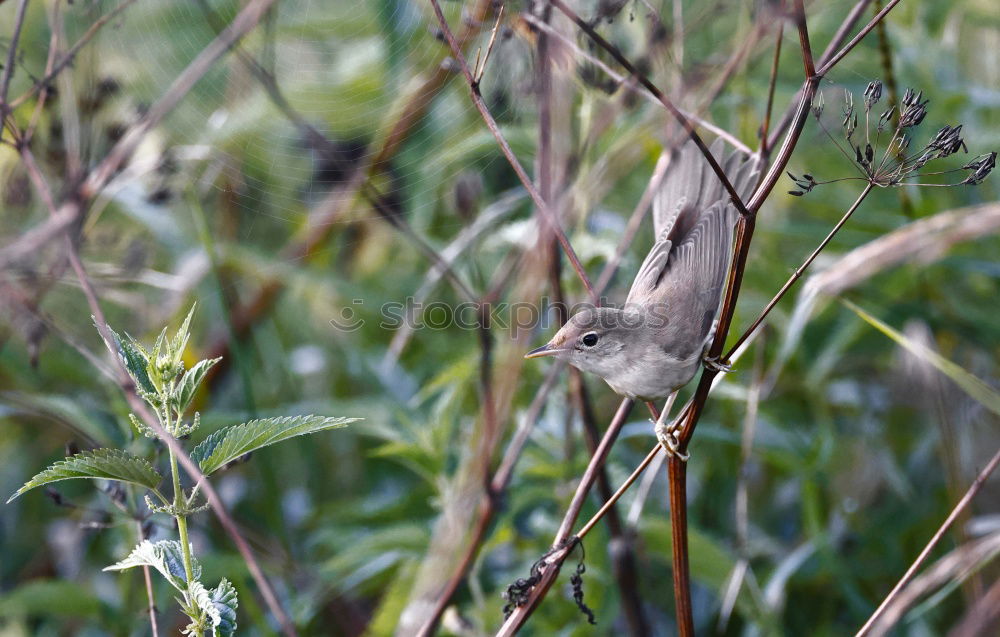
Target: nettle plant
[(162, 381)]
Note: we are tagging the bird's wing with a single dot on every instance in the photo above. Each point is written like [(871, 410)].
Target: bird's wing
[(650, 271), (691, 284), (689, 182), (686, 268)]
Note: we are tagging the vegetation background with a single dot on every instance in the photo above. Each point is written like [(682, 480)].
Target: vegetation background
[(246, 199)]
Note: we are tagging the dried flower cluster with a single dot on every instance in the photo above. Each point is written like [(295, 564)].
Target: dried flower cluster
[(893, 165)]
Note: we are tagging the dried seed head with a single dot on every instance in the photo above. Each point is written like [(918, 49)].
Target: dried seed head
[(914, 108), (873, 93), (885, 117), (806, 183), (980, 167), (947, 141), (848, 107), (818, 104)]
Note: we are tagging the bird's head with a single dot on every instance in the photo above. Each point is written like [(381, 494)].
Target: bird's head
[(594, 340)]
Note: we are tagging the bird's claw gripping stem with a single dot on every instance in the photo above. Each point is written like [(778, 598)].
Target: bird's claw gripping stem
[(668, 439), (716, 365)]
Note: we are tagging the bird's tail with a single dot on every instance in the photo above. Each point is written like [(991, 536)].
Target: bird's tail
[(691, 187)]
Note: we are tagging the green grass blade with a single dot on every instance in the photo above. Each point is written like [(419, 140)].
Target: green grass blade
[(977, 389)]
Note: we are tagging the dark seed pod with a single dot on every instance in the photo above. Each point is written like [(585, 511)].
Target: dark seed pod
[(873, 93)]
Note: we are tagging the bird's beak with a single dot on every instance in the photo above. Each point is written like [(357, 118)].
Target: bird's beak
[(544, 350)]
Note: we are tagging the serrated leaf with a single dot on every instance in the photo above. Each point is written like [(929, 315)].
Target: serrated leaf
[(135, 359), (180, 339), (154, 355), (105, 464), (165, 556), (198, 602), (229, 443), (225, 601), (191, 380), (975, 388)]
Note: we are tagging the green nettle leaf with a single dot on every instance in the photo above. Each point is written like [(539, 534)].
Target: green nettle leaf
[(225, 602), (135, 359), (229, 443), (106, 464), (973, 386), (154, 354), (166, 556), (200, 608), (180, 339), (191, 380)]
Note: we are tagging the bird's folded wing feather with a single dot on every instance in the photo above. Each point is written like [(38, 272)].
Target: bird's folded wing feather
[(691, 285), (686, 267)]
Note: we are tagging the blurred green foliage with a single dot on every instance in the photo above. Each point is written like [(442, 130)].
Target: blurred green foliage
[(859, 452)]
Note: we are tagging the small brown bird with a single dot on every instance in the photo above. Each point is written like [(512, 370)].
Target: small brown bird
[(653, 345)]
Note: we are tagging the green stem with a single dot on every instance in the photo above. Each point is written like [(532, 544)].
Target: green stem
[(181, 519)]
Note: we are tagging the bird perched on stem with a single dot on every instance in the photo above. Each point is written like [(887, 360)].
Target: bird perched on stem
[(654, 344)]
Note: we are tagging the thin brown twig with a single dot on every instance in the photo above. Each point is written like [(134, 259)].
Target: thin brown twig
[(148, 581), (800, 24), (29, 132), (620, 545), (8, 69), (480, 69), (563, 543), (940, 533), (771, 84), (839, 55), (477, 100), (855, 14), (68, 57), (630, 86), (799, 271)]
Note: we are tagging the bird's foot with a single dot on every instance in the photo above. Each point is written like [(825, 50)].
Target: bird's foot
[(668, 439), (716, 365)]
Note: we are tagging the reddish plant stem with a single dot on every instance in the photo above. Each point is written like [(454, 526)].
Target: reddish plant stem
[(772, 83), (838, 38), (677, 472), (839, 55), (800, 24)]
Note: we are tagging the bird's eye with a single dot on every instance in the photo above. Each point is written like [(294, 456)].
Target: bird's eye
[(589, 339)]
